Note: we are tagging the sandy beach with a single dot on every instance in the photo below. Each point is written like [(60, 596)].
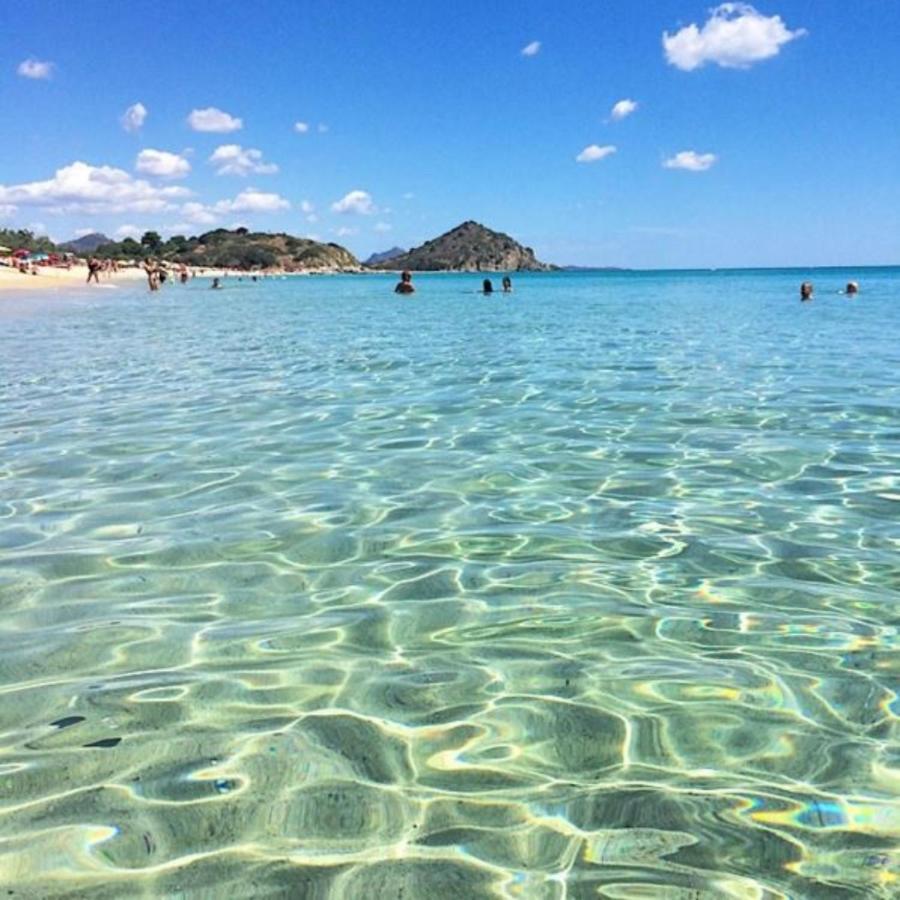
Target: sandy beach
[(57, 279)]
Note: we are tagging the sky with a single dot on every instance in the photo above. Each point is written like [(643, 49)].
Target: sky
[(668, 134)]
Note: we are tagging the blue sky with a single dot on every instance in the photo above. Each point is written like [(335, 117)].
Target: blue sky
[(761, 135)]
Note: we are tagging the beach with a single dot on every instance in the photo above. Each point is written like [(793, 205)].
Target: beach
[(55, 279), (307, 586)]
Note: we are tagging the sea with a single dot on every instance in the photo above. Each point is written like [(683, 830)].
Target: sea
[(312, 590)]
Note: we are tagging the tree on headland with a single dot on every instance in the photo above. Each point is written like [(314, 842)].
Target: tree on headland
[(129, 248), (23, 239), (152, 241)]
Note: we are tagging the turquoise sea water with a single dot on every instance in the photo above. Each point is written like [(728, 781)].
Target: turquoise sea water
[(308, 590)]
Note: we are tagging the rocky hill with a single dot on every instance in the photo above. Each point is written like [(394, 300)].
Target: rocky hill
[(469, 247), (384, 256), (87, 243), (239, 249)]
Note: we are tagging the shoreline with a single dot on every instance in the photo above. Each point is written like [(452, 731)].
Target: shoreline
[(58, 279), (52, 279)]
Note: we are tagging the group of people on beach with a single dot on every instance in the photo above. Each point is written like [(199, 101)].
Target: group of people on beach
[(158, 273), (806, 290), (405, 285)]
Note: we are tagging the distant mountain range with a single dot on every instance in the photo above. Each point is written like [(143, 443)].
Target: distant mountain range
[(87, 243), (384, 256), (469, 247)]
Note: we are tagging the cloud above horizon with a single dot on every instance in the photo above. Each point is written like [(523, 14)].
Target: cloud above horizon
[(531, 49), (735, 36), (35, 69), (252, 200), (198, 213), (301, 127), (594, 153), (93, 190), (134, 117), (691, 161), (214, 120), (249, 200), (126, 231), (623, 109), (233, 159), (357, 202), (162, 164)]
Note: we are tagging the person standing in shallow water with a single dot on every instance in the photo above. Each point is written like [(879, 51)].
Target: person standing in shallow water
[(405, 285), (806, 291), (507, 284), (152, 274), (487, 287), (94, 266)]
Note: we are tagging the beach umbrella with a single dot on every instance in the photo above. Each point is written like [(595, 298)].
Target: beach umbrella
[(5, 250)]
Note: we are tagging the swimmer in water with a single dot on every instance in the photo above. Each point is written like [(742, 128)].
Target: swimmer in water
[(806, 291), (487, 287), (405, 285)]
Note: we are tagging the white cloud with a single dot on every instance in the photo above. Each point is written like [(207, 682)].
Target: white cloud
[(127, 231), (232, 159), (323, 128), (34, 68), (531, 49), (83, 188), (7, 210), (212, 119), (344, 231), (735, 36), (134, 117), (301, 127), (252, 200), (162, 164), (623, 109), (198, 214), (593, 153), (691, 161), (38, 228), (382, 227), (359, 202), (309, 210), (249, 200)]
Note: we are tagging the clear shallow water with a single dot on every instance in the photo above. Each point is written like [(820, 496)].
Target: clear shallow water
[(312, 591)]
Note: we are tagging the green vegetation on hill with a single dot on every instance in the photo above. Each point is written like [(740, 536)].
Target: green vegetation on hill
[(237, 249), (469, 247), (22, 239)]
